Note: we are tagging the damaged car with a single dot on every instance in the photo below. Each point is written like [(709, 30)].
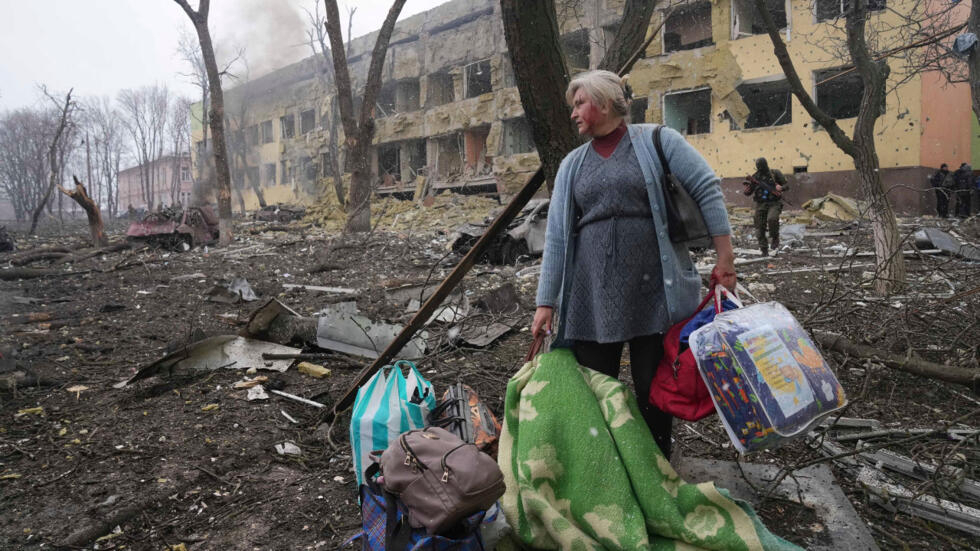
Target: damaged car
[(279, 213), (524, 237), (176, 227)]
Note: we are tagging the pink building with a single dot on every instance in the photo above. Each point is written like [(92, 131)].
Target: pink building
[(169, 182)]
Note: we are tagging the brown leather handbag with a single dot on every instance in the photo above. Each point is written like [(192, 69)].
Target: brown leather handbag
[(440, 478)]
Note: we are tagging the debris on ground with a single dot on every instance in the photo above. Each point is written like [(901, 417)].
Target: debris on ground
[(233, 292), (280, 213), (177, 228), (833, 207)]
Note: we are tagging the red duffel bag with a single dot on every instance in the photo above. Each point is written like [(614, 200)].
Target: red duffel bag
[(677, 387)]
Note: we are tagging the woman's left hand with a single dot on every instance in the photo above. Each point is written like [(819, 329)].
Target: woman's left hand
[(724, 273)]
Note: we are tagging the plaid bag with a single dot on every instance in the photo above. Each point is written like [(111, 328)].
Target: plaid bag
[(386, 527)]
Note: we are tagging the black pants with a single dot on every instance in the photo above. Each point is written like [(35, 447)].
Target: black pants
[(942, 202), (767, 217), (645, 354), (963, 200)]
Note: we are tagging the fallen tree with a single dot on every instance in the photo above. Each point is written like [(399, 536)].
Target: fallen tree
[(923, 368)]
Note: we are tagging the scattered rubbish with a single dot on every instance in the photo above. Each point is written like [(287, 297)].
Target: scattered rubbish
[(947, 513), (187, 277), (249, 383), (480, 336), (232, 293), (25, 300), (298, 399), (279, 213), (77, 390), (288, 448), (39, 410), (338, 290), (833, 207), (223, 351), (530, 271), (210, 407), (501, 301), (792, 235), (340, 327), (921, 470), (313, 370), (454, 309), (111, 307), (524, 235), (176, 228), (10, 476), (256, 393), (934, 238), (288, 417)]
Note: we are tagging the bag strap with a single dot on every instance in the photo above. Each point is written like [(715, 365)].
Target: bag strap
[(535, 348), (660, 154)]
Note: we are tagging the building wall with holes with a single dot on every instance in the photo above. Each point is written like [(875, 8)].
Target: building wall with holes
[(927, 120)]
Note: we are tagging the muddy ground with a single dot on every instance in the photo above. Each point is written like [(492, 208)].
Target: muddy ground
[(183, 458)]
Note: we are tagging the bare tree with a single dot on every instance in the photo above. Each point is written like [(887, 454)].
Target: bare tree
[(358, 132), (146, 113), (190, 51), (317, 37), (216, 115), (106, 136), (531, 31), (25, 135), (57, 152), (179, 135), (93, 212), (861, 146)]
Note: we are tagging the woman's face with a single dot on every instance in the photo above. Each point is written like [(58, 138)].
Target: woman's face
[(586, 114)]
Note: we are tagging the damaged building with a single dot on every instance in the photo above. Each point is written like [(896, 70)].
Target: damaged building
[(449, 115)]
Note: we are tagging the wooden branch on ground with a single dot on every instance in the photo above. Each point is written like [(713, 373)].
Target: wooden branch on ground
[(923, 368), (65, 256), (31, 273)]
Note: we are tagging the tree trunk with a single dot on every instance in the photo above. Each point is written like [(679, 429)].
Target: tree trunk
[(531, 31), (91, 208), (53, 169), (359, 205), (216, 117), (973, 26), (630, 36)]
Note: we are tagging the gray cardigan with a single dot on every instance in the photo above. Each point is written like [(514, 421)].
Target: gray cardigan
[(682, 284)]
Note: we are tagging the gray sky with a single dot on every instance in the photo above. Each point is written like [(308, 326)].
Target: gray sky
[(102, 46)]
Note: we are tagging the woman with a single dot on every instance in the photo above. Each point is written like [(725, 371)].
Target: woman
[(609, 267)]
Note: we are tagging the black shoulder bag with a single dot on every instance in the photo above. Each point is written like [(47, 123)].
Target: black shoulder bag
[(685, 222)]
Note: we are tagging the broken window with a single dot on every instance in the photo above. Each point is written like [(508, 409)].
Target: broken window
[(517, 136), (385, 104), (307, 121), (832, 9), (417, 158), (252, 135), (283, 173), (269, 174), (576, 48), (475, 143), (747, 22), (308, 169), (439, 89), (769, 104), (287, 126), (448, 157), (638, 110), (389, 164), (838, 96), (477, 79), (407, 95), (267, 136), (688, 27), (688, 112)]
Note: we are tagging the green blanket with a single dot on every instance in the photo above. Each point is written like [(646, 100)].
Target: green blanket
[(583, 472)]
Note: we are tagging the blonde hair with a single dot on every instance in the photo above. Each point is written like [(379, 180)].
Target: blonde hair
[(602, 87)]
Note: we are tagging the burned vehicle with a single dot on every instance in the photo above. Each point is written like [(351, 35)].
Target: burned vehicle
[(176, 228), (524, 237), (279, 213)]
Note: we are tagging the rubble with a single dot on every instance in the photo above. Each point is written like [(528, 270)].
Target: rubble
[(233, 292), (177, 228), (6, 241)]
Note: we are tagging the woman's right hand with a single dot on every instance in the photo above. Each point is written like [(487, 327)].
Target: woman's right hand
[(542, 321)]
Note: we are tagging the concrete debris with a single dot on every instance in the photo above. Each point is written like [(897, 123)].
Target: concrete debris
[(479, 335), (441, 212), (524, 236), (256, 393), (279, 213), (322, 289), (288, 448), (223, 351), (833, 207), (343, 329), (897, 497), (928, 238), (791, 235), (238, 290)]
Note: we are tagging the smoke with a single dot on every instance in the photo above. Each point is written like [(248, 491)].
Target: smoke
[(273, 34)]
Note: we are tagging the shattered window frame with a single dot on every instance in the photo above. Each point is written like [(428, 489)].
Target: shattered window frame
[(518, 137), (269, 173), (766, 103), (185, 173), (825, 10), (848, 102), (384, 104), (704, 119), (687, 10), (307, 121), (267, 134), (287, 126), (738, 20), (473, 87), (389, 162), (443, 82), (411, 88), (576, 45)]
